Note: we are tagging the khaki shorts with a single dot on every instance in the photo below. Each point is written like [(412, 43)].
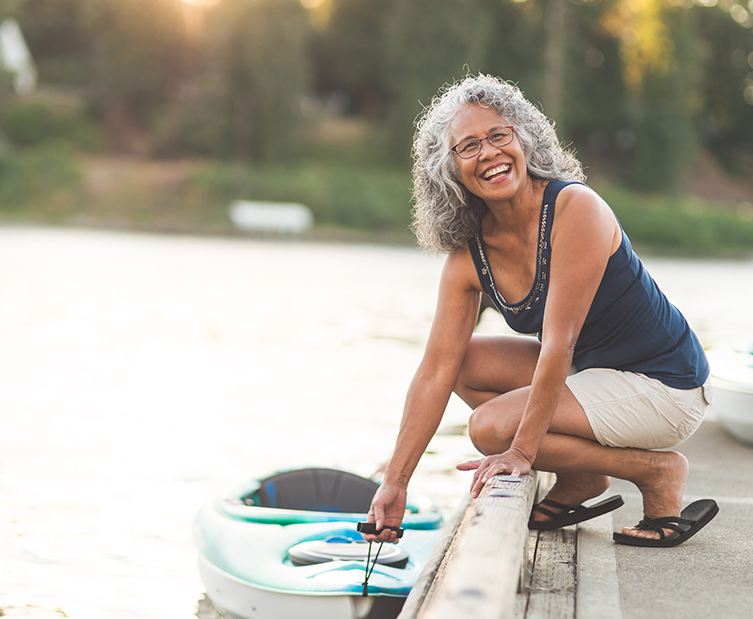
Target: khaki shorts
[(626, 409)]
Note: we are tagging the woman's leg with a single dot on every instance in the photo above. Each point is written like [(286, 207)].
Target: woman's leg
[(494, 365), (497, 365), (494, 380)]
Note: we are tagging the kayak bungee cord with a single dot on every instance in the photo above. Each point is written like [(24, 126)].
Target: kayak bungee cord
[(370, 527), (369, 571)]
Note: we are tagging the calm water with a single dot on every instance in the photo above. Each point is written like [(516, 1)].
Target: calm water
[(141, 374)]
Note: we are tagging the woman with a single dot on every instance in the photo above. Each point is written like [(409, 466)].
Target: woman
[(615, 371)]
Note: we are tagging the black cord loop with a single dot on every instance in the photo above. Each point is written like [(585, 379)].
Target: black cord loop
[(369, 571)]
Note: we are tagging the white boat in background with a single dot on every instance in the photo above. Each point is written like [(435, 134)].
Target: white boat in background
[(732, 379)]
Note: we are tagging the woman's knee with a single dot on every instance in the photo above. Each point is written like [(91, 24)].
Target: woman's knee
[(490, 430)]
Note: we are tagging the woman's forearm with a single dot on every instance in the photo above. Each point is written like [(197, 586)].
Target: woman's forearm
[(432, 385), (546, 389), (424, 407)]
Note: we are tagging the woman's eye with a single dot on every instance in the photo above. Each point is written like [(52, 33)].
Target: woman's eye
[(469, 147)]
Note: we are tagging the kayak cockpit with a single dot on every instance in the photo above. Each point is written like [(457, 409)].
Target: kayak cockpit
[(316, 489)]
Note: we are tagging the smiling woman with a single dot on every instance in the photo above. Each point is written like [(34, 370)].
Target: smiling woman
[(615, 372)]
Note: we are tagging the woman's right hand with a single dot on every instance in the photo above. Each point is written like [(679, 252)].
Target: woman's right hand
[(387, 510)]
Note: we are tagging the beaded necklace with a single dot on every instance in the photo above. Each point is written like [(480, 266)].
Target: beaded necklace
[(539, 284)]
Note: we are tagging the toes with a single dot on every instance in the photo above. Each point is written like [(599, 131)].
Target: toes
[(640, 533)]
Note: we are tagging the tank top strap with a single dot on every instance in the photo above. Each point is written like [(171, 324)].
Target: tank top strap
[(551, 192)]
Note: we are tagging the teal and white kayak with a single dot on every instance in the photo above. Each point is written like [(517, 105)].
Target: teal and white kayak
[(732, 379), (286, 546)]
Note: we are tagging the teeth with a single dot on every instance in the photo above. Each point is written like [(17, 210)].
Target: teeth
[(498, 170)]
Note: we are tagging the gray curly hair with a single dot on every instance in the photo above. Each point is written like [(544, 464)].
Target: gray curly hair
[(446, 216)]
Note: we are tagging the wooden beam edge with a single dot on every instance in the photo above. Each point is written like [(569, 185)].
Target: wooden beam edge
[(420, 590), (500, 519)]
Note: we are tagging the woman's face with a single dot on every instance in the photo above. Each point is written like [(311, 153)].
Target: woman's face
[(495, 173)]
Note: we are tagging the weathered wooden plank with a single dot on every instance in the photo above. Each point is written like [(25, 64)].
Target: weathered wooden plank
[(552, 589), (544, 482), (428, 576), (444, 565), (526, 575), (482, 575)]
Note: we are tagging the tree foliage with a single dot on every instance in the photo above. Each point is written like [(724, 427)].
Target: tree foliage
[(220, 78), (258, 56), (422, 54), (637, 83)]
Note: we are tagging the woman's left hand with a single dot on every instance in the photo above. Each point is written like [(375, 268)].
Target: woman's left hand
[(510, 462)]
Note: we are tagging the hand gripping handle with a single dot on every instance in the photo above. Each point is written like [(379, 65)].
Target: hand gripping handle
[(370, 529)]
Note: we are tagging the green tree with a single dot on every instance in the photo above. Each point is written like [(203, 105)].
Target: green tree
[(666, 111), (355, 53), (55, 35), (726, 118), (260, 58), (595, 105), (428, 43), (514, 48), (131, 50)]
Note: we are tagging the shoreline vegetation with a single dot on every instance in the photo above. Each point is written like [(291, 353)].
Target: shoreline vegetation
[(351, 202), (57, 168)]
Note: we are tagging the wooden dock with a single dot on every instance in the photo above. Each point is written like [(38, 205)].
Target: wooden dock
[(489, 565)]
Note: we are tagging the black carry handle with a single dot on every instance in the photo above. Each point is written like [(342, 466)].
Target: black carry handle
[(370, 529)]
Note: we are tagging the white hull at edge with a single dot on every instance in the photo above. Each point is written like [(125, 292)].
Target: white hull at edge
[(732, 380), (242, 600)]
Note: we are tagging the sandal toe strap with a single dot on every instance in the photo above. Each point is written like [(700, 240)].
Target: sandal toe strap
[(560, 506), (545, 511), (659, 524)]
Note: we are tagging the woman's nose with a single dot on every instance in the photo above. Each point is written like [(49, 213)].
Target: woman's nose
[(487, 150)]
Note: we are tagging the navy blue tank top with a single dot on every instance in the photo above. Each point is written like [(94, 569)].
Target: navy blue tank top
[(631, 326)]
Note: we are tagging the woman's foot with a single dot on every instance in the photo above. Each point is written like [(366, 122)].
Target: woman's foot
[(572, 489), (662, 487)]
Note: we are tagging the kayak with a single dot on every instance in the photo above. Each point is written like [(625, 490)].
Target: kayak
[(286, 546), (732, 379)]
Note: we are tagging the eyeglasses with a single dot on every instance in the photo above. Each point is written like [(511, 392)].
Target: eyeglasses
[(472, 146)]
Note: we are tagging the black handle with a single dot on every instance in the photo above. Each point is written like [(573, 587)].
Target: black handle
[(370, 529)]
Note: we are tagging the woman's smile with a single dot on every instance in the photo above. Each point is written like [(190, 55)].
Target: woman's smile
[(496, 172)]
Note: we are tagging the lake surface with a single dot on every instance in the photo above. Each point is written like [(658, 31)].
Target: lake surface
[(140, 374)]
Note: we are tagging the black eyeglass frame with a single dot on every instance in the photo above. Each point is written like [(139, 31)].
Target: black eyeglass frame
[(480, 140)]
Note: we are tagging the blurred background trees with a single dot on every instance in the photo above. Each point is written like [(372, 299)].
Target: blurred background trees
[(652, 94)]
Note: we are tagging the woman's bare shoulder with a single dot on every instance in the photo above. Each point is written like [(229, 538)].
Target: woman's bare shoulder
[(582, 211), (460, 269), (580, 197)]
